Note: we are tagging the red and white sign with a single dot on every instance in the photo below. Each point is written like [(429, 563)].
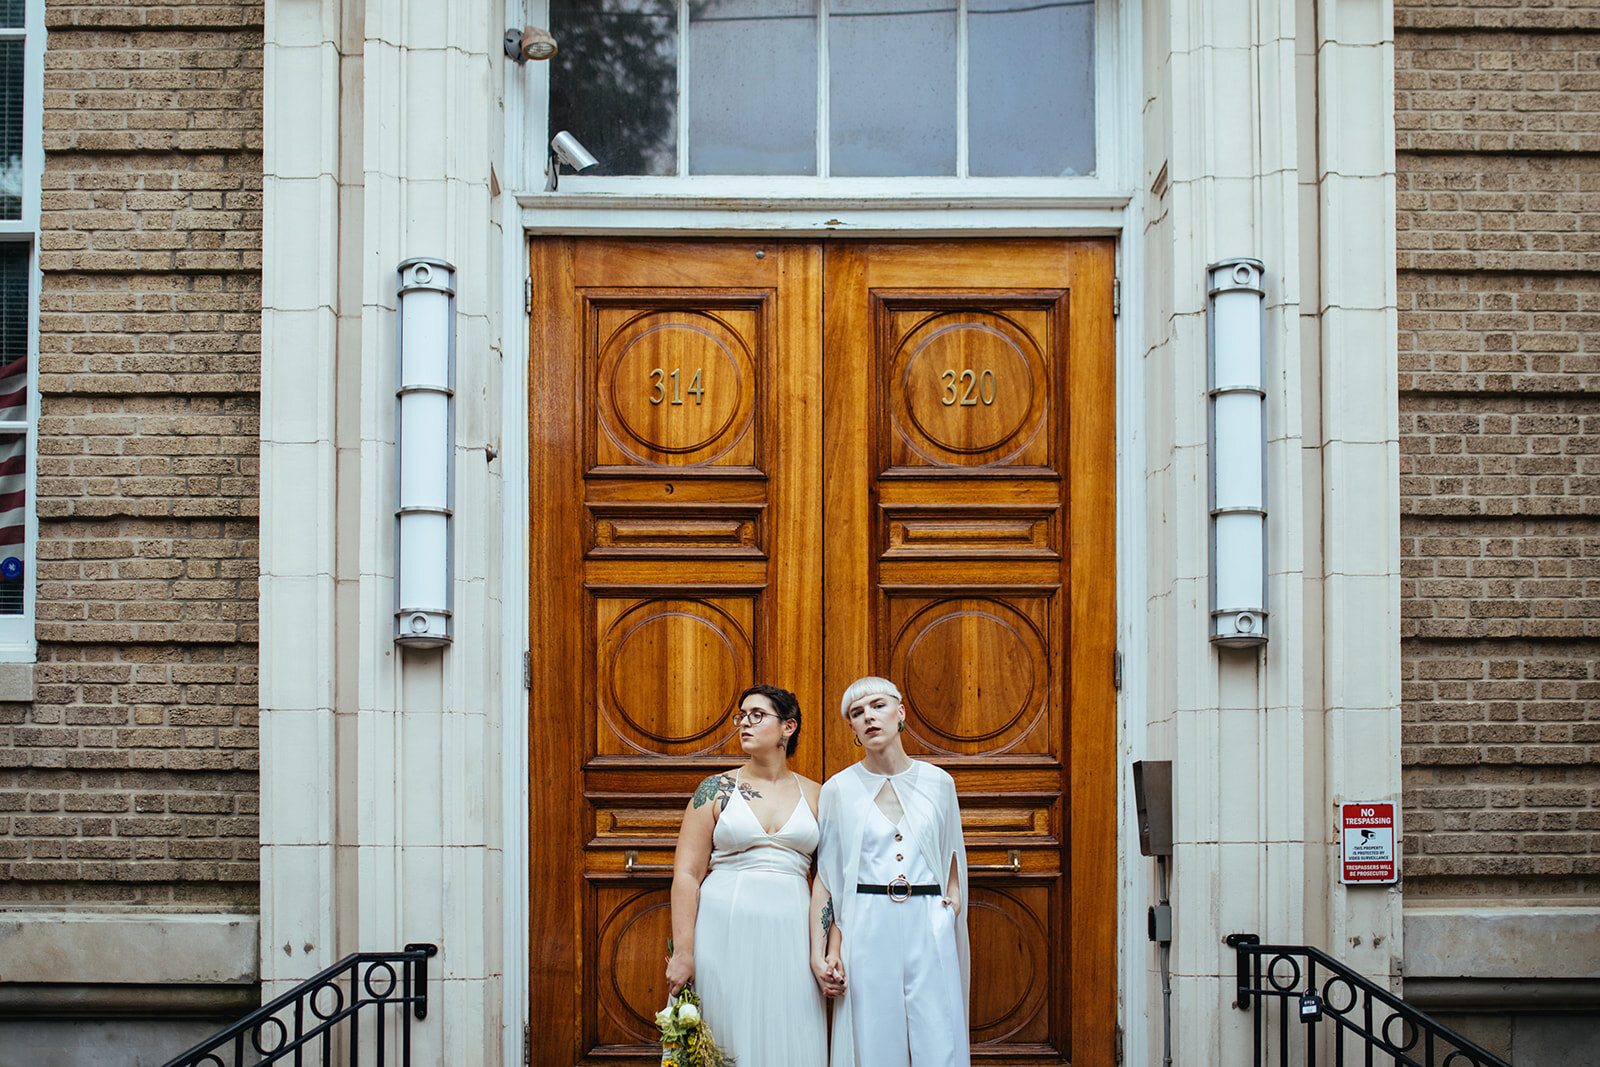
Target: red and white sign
[(1366, 844)]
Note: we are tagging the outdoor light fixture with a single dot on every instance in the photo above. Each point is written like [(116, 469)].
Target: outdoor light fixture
[(425, 429), (565, 148), (530, 42), (1235, 378)]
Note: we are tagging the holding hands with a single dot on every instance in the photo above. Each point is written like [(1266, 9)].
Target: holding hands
[(830, 974)]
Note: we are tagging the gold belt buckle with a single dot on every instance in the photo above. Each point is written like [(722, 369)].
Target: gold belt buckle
[(905, 889)]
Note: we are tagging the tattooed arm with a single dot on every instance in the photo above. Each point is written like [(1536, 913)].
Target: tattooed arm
[(825, 941), (689, 865)]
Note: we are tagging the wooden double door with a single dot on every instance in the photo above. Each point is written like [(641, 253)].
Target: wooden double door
[(801, 462)]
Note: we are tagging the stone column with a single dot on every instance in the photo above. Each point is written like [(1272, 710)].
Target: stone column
[(381, 784)]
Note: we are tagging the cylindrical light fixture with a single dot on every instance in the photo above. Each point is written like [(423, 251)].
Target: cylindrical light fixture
[(1236, 372), (426, 433)]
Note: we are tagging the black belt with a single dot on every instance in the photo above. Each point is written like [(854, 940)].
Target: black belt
[(899, 889)]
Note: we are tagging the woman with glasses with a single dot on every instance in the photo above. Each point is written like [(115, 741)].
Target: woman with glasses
[(740, 900), (889, 926)]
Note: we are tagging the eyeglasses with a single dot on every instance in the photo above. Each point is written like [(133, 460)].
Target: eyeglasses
[(753, 717)]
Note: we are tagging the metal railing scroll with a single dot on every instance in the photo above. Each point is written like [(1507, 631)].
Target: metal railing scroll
[(1308, 1005), (303, 1025)]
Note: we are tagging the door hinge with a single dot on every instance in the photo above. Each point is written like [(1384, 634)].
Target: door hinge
[(527, 294), (1116, 297), (527, 1044), (1116, 671), (527, 670), (1116, 1043)]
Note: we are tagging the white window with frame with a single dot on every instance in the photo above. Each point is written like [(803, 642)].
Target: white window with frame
[(795, 97), (21, 165)]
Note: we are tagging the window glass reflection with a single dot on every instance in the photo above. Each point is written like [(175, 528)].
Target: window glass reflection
[(892, 87), (752, 87), (13, 409), (614, 82), (1030, 87)]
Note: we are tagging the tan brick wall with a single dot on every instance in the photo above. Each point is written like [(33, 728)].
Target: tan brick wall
[(132, 776), (1497, 120)]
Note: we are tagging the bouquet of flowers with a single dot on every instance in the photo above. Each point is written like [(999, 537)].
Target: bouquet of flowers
[(686, 1040)]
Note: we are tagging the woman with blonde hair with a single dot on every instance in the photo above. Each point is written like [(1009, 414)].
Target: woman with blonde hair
[(889, 923), (739, 895)]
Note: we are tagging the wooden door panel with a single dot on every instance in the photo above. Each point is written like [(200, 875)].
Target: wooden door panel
[(668, 673), (802, 462), (975, 672), (675, 380), (970, 381), (676, 519), (966, 563)]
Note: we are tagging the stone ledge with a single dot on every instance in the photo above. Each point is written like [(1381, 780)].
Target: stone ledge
[(67, 1000), (1502, 943), (66, 948)]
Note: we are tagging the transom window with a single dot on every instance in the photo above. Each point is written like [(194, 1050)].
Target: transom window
[(830, 88)]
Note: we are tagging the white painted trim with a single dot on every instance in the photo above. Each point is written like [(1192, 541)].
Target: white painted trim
[(515, 635), (18, 643), (589, 215)]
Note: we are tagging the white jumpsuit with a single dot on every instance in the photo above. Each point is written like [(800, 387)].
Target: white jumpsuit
[(905, 983)]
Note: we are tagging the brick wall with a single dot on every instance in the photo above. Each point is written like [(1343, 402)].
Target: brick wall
[(1497, 120), (132, 776)]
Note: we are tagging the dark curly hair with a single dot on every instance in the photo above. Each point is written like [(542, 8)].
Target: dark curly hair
[(785, 703)]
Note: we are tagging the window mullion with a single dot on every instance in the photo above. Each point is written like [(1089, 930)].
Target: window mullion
[(684, 63), (824, 68), (961, 89)]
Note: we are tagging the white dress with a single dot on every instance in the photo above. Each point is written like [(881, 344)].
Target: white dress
[(752, 941)]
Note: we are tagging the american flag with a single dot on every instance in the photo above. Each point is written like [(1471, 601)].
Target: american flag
[(13, 459)]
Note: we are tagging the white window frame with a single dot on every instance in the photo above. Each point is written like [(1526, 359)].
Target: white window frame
[(17, 641), (528, 109)]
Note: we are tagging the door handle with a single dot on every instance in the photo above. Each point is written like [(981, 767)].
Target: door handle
[(631, 865), (1013, 864)]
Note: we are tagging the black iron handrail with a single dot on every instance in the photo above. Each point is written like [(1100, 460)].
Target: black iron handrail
[(1369, 1023), (300, 1024)]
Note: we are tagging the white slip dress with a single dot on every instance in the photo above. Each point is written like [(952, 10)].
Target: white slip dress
[(752, 940)]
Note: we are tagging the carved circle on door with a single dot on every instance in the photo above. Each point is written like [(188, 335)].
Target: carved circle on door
[(633, 939), (972, 671), (1007, 988), (968, 388), (674, 387), (674, 669)]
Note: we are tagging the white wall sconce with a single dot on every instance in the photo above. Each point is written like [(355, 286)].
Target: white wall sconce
[(1235, 372), (426, 431)]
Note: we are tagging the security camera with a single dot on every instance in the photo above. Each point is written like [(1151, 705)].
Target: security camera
[(565, 148), (569, 150)]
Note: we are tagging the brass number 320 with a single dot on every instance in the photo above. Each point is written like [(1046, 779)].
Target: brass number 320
[(974, 388), (658, 381)]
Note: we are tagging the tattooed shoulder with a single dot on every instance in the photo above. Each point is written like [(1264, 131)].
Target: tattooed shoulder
[(716, 787)]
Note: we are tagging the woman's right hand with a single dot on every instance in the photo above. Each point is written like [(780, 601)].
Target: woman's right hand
[(680, 972), (829, 972)]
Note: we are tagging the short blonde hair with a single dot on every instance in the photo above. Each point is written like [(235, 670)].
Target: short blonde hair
[(870, 686)]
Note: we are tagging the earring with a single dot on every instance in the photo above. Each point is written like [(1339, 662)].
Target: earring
[(855, 740), (902, 726)]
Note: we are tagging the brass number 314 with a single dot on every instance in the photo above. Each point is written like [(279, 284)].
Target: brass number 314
[(658, 381), (974, 388)]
